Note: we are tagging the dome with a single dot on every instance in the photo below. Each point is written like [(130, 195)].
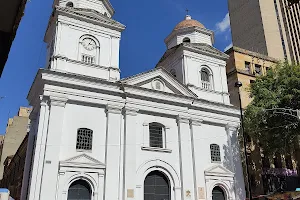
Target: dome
[(188, 22)]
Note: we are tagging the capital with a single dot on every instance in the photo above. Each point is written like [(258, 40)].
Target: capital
[(130, 111), (59, 101), (44, 100), (196, 122), (183, 119), (116, 109), (232, 127)]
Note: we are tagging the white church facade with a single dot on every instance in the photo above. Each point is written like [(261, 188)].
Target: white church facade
[(166, 134)]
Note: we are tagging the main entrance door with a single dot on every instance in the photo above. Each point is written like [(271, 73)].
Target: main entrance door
[(157, 187), (218, 194)]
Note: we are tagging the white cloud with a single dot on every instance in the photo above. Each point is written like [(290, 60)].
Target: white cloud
[(224, 25), (228, 47)]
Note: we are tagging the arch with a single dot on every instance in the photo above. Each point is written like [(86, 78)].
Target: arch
[(157, 184), (162, 166), (206, 77), (89, 49), (89, 179), (186, 40), (218, 193), (80, 189), (223, 186)]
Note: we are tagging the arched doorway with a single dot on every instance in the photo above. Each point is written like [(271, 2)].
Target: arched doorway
[(80, 190), (157, 187), (218, 193)]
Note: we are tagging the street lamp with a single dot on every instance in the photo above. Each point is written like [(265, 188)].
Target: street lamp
[(239, 84)]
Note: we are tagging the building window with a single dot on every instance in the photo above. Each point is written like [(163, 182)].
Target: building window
[(80, 190), (248, 67), (88, 59), (258, 69), (156, 132), (215, 153), (84, 139), (206, 79), (157, 186), (186, 40), (70, 4)]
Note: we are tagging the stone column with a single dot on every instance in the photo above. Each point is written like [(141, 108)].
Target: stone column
[(130, 153), (235, 160), (52, 151), (186, 159), (113, 152), (39, 152), (195, 124)]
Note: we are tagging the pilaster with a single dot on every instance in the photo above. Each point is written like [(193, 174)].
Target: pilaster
[(186, 159), (52, 150), (113, 152), (130, 123), (39, 151)]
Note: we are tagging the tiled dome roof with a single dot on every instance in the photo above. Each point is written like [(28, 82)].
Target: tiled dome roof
[(188, 22)]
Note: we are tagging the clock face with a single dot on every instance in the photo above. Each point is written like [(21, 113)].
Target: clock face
[(89, 44)]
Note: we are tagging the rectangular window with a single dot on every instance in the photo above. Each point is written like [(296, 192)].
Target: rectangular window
[(156, 136), (247, 66), (258, 69), (88, 59)]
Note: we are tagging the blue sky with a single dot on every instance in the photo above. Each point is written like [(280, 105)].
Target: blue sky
[(148, 23)]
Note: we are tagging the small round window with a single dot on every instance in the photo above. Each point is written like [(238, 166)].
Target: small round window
[(158, 85), (70, 4)]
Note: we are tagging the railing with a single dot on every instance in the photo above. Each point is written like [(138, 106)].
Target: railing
[(206, 85)]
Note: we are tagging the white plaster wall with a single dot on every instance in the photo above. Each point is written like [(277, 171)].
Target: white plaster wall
[(195, 37), (80, 116), (67, 45)]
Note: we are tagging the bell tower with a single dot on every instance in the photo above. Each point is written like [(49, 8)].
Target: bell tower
[(83, 39)]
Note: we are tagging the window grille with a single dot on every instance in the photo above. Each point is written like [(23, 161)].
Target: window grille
[(84, 139), (88, 59), (156, 135), (205, 79), (215, 153)]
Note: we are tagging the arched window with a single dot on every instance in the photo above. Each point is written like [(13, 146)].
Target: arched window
[(84, 139), (89, 50), (187, 40), (215, 153), (157, 186), (218, 194), (206, 79), (70, 4), (173, 72), (80, 190), (156, 132)]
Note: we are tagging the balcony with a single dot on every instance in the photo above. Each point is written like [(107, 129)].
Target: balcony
[(206, 85)]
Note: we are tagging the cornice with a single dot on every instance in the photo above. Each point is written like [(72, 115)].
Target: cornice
[(109, 23), (210, 91), (205, 52), (82, 63)]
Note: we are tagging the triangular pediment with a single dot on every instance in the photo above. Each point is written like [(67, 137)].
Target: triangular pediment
[(159, 80), (83, 161), (218, 170)]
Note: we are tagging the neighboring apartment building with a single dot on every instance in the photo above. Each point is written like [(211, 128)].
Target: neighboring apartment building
[(16, 131), (13, 171), (270, 27), (266, 173)]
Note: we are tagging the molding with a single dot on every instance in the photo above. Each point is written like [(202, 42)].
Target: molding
[(44, 100), (58, 101), (183, 119), (210, 91), (115, 109), (155, 149), (83, 63)]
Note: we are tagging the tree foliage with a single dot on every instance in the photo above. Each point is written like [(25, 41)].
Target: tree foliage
[(280, 88)]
